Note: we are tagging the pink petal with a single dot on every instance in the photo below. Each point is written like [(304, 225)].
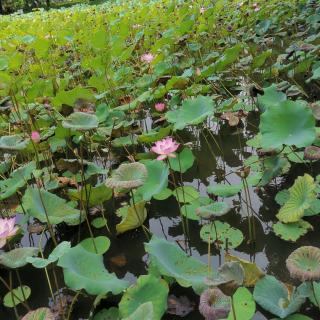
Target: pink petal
[(161, 157)]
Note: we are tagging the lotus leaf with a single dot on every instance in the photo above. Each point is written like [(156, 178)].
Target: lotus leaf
[(292, 231), (244, 305), (81, 121), (16, 296), (18, 257), (144, 311), (183, 161), (224, 190), (13, 143)]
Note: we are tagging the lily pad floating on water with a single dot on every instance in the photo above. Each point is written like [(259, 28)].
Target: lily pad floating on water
[(216, 209), (83, 269), (192, 112), (289, 123), (282, 302), (291, 231), (172, 261), (81, 121), (107, 314), (301, 195), (226, 235), (224, 190), (98, 245), (189, 209), (304, 263), (16, 296), (186, 194), (39, 203), (128, 176), (13, 143)]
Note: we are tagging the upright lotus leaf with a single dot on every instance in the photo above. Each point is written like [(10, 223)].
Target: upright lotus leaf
[(214, 304), (275, 297), (38, 203), (231, 273), (83, 269), (144, 311), (18, 179), (210, 211), (148, 288), (270, 98), (107, 314), (183, 161), (16, 296), (252, 273), (94, 195), (192, 112), (81, 121), (13, 143), (170, 260), (291, 231), (289, 123), (155, 135), (132, 217), (39, 314), (128, 176), (56, 253), (304, 263), (302, 194), (221, 232), (157, 179), (18, 257), (186, 194), (243, 304), (225, 190)]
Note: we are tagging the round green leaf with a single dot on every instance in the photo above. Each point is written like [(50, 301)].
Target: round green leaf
[(98, 245), (224, 190), (144, 311), (183, 161), (148, 288), (107, 314), (291, 231), (189, 209), (14, 142), (186, 194), (244, 305), (99, 222), (81, 121), (224, 233), (17, 258)]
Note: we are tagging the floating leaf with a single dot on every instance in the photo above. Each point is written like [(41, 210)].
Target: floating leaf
[(290, 123), (291, 231), (83, 269), (148, 288), (107, 314), (17, 258), (16, 296), (216, 209), (171, 261), (192, 111), (99, 222), (132, 217), (225, 190), (225, 233), (252, 272), (271, 97), (302, 193), (186, 194), (162, 195), (189, 209), (81, 121), (275, 297)]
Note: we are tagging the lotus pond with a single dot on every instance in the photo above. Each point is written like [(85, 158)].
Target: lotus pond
[(160, 160)]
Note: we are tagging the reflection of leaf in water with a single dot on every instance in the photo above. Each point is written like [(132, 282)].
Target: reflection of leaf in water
[(179, 306)]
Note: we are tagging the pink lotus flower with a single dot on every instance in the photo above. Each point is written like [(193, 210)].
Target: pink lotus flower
[(147, 57), (256, 7), (160, 106), (7, 229), (165, 148), (35, 136)]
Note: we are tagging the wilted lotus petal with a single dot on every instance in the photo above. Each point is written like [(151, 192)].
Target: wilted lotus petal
[(214, 304), (304, 263), (312, 153), (128, 176)]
